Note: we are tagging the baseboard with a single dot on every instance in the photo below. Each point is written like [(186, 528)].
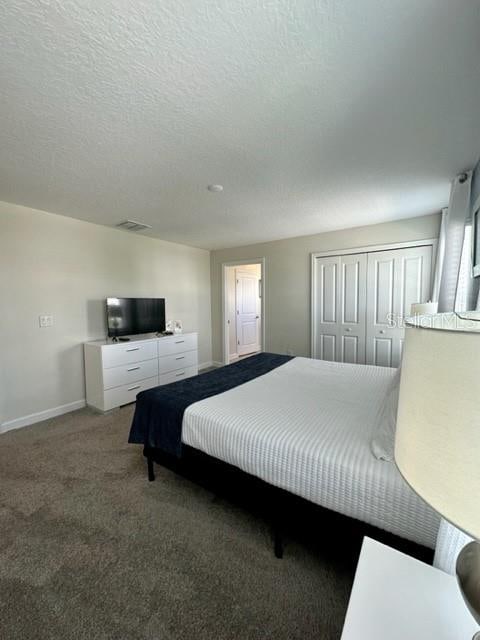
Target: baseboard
[(208, 365), (17, 423)]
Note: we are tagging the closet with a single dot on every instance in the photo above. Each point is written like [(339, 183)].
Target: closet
[(359, 301)]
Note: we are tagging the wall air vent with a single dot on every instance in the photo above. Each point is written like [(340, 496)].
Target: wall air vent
[(133, 225)]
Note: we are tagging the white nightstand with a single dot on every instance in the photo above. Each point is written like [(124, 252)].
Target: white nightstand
[(396, 597)]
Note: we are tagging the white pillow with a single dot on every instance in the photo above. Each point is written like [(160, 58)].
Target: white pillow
[(383, 441)]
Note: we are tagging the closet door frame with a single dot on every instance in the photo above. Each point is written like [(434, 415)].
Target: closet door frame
[(373, 248)]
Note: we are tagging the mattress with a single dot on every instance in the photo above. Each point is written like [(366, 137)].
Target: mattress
[(306, 427)]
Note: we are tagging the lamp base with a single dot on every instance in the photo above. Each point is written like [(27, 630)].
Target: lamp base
[(468, 576)]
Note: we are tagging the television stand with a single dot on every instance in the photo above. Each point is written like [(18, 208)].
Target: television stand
[(116, 372)]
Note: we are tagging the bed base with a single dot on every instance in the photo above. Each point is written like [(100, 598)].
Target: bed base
[(223, 479), (151, 470), (275, 505)]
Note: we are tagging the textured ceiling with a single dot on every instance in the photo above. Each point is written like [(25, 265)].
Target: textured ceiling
[(314, 115)]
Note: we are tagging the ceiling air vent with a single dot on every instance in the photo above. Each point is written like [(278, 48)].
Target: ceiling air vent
[(133, 225)]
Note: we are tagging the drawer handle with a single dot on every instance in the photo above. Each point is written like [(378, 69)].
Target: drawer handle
[(180, 374), (134, 349), (137, 386), (179, 341), (133, 369), (180, 358)]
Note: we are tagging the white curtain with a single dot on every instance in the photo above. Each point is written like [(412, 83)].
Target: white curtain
[(467, 287), (450, 541), (456, 290), (454, 287)]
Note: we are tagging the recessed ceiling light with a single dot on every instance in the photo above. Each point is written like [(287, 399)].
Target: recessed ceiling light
[(215, 188)]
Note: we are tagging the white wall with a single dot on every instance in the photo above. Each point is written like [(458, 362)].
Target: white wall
[(56, 265), (287, 277)]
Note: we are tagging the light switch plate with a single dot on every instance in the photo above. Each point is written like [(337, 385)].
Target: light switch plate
[(45, 321)]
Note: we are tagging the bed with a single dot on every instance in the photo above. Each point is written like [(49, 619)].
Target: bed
[(306, 426)]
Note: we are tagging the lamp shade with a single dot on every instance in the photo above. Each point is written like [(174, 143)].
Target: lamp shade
[(424, 308), (437, 442)]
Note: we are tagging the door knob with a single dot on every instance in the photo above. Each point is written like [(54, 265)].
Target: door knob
[(348, 329), (382, 331)]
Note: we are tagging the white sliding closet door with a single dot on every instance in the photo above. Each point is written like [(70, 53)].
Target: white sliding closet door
[(340, 299), (395, 279)]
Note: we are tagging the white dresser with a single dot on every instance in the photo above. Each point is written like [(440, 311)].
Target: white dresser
[(116, 372)]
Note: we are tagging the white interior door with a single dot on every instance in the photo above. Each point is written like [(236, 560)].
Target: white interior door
[(248, 312), (395, 279), (352, 300)]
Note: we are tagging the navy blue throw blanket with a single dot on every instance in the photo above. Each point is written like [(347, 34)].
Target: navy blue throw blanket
[(157, 422)]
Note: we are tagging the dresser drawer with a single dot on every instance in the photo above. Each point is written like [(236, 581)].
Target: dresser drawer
[(177, 361), (177, 344), (175, 376), (115, 355), (127, 393), (128, 373)]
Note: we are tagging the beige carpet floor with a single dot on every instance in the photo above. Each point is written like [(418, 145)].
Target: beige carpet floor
[(90, 550)]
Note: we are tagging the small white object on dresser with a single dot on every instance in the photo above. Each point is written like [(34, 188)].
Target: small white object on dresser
[(396, 597), (116, 371)]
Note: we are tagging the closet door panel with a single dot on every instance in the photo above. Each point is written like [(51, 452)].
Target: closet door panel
[(328, 298), (328, 347), (325, 301), (383, 287), (380, 307), (395, 280), (414, 287), (350, 349), (352, 305), (383, 352), (350, 293)]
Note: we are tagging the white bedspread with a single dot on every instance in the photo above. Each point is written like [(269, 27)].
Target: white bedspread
[(306, 427)]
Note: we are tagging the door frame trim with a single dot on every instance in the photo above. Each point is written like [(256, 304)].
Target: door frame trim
[(372, 248), (239, 263)]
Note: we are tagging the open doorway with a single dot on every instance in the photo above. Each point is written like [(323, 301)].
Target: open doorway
[(243, 309)]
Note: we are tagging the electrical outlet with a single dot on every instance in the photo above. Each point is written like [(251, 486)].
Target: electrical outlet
[(45, 321), (290, 352)]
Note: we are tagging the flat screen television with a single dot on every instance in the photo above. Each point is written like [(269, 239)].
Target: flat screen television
[(130, 316)]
